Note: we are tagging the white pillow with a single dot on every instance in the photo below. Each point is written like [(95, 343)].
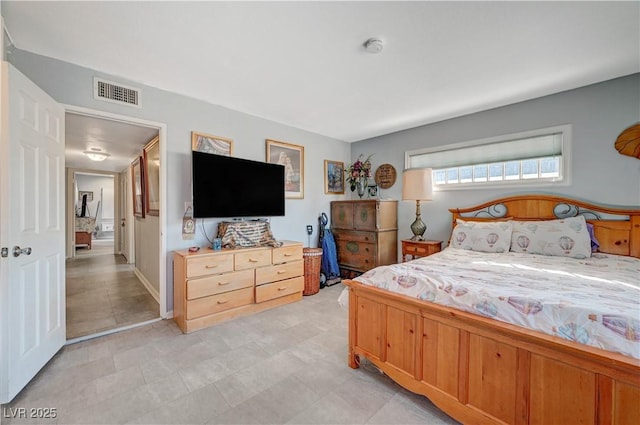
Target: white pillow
[(567, 237), (482, 236)]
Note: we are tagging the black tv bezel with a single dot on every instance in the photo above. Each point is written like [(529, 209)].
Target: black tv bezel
[(256, 209)]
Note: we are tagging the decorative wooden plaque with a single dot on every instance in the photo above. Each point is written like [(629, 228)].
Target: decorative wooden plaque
[(385, 176)]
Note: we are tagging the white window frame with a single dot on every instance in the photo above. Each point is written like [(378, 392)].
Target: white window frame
[(565, 161)]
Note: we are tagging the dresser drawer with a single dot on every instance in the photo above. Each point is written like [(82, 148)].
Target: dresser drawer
[(287, 253), (359, 262), (279, 272), (348, 248), (211, 264), (252, 259), (217, 284), (367, 237), (279, 289), (217, 303), (342, 215), (364, 216)]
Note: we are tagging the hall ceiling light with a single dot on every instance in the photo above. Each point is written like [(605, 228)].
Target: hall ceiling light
[(96, 155)]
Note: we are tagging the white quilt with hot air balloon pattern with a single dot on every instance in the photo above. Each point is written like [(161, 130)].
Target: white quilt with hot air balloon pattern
[(593, 301)]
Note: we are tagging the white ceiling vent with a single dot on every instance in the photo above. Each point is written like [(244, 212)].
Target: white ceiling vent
[(110, 91)]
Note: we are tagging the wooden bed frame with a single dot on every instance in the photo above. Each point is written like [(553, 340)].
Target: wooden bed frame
[(482, 371)]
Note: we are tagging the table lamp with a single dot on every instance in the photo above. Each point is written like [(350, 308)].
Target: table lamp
[(417, 186)]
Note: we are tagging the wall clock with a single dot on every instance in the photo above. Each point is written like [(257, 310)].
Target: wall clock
[(385, 176)]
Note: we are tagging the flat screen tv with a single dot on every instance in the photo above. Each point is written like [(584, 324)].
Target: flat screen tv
[(234, 187)]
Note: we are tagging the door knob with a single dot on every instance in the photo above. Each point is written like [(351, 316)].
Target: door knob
[(17, 251)]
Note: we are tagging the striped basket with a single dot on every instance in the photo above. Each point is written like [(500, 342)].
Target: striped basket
[(312, 261)]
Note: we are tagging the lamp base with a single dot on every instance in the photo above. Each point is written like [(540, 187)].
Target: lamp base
[(418, 228)]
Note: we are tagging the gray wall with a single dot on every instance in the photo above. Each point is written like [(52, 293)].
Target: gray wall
[(73, 85), (598, 114)]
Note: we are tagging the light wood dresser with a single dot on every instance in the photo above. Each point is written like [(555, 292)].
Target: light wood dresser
[(212, 286), (366, 234)]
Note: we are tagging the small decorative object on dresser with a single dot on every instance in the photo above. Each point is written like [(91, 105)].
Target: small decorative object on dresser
[(366, 234), (358, 175), (417, 249)]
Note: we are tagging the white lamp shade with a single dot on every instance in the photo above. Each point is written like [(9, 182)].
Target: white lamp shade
[(417, 184)]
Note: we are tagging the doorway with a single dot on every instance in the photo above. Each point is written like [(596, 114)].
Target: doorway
[(106, 291)]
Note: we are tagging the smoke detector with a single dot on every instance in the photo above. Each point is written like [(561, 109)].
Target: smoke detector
[(373, 45)]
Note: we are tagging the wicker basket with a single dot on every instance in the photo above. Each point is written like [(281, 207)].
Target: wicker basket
[(312, 261)]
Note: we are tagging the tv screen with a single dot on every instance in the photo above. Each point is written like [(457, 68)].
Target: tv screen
[(233, 187)]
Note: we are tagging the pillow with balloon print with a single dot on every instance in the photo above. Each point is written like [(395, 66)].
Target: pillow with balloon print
[(567, 237), (482, 236)]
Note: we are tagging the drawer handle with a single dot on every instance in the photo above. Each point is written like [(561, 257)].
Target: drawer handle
[(288, 255), (282, 288), (223, 301), (253, 260), (211, 266), (223, 283), (281, 271)]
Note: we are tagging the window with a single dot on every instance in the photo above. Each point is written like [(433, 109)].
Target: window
[(538, 157)]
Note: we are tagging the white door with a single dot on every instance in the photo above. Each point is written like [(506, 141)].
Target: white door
[(32, 284)]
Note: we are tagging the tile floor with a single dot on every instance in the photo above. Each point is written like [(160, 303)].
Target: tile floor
[(282, 366), (103, 293)]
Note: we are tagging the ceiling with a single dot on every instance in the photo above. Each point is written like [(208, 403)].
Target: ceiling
[(303, 63), (122, 141)]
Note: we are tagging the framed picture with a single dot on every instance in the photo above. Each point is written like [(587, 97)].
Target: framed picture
[(373, 190), (81, 193), (211, 144), (151, 174), (137, 184), (292, 157), (333, 177)]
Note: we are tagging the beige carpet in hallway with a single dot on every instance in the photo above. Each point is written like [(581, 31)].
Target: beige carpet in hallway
[(103, 293)]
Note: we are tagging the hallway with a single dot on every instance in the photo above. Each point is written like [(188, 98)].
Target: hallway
[(103, 293)]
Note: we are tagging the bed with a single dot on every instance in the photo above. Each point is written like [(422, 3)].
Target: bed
[(481, 369)]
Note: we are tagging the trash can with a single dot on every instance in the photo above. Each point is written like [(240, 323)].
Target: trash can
[(312, 261)]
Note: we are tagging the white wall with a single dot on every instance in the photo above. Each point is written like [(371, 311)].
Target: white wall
[(73, 85), (598, 114), (94, 183)]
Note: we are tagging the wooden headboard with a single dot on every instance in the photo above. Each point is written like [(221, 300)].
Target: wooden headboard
[(617, 229)]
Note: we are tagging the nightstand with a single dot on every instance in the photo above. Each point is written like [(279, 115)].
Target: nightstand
[(416, 249)]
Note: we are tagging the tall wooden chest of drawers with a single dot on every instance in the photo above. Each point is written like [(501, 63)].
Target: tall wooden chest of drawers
[(366, 233), (213, 286)]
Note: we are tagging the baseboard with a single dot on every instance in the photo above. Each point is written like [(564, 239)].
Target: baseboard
[(154, 293), (169, 315)]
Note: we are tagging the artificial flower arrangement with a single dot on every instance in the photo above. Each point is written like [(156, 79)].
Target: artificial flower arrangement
[(358, 171)]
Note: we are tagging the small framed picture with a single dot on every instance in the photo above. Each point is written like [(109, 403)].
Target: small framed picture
[(89, 195), (292, 158), (208, 143), (333, 177), (373, 190), (137, 183)]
